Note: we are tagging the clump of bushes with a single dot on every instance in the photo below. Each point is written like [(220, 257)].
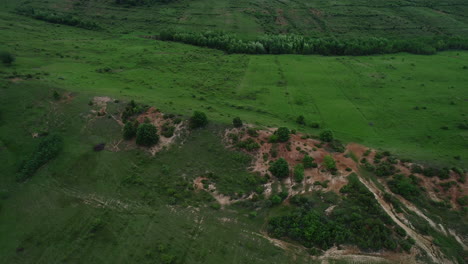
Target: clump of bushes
[(248, 144), (252, 132), (56, 18), (198, 119), (132, 109), (357, 220), (405, 186), (308, 162), (385, 169), (167, 130), (147, 135), (280, 168), (49, 148)]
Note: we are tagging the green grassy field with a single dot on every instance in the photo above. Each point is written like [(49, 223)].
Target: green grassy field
[(369, 100), (341, 18), (93, 214), (127, 206)]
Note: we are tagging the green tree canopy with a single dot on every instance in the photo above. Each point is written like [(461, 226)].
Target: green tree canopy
[(198, 119), (280, 168), (147, 135)]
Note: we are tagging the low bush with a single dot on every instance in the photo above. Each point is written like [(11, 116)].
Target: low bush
[(167, 130)]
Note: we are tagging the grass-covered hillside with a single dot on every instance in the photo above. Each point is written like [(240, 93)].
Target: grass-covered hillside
[(117, 147), (248, 18)]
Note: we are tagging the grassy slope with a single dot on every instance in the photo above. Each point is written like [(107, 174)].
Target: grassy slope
[(97, 217), (369, 100), (249, 18)]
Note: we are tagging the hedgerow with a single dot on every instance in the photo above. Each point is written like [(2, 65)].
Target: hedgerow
[(297, 44)]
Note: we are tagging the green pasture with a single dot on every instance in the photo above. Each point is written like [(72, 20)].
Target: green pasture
[(342, 18), (370, 100)]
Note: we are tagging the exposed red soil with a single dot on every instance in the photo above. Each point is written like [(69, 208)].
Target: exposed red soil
[(156, 118)]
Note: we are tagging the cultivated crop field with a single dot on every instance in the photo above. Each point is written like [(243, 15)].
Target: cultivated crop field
[(375, 147)]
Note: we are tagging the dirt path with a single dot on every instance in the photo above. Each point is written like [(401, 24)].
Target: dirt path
[(422, 242)]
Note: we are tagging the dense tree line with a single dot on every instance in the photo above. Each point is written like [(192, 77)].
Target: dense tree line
[(56, 18), (358, 220), (140, 2), (296, 44)]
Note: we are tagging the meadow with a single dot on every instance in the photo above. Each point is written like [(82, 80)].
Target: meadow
[(124, 205), (342, 18), (398, 102)]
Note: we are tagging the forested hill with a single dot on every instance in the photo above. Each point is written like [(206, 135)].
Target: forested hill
[(251, 18)]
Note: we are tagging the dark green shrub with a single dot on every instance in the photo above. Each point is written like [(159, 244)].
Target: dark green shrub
[(405, 186), (283, 134), (6, 57), (416, 168), (130, 130), (167, 130), (237, 122), (300, 120), (252, 132), (198, 119), (248, 144), (280, 168), (463, 201), (273, 139), (384, 169), (299, 172), (329, 163), (314, 125), (275, 200), (326, 136), (56, 96), (147, 135), (308, 161), (49, 148)]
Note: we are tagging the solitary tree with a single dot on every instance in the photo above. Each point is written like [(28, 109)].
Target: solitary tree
[(147, 135), (326, 136), (237, 122), (283, 134), (198, 119), (280, 168)]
